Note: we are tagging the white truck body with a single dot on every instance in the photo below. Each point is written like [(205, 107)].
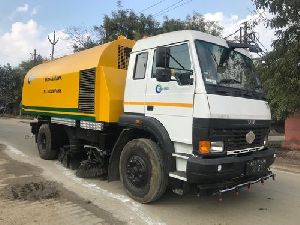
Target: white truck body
[(176, 106)]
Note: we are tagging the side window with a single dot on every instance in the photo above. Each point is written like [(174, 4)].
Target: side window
[(180, 58), (140, 66)]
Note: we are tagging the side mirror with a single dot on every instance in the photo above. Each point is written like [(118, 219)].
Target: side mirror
[(185, 78), (163, 74), (162, 55)]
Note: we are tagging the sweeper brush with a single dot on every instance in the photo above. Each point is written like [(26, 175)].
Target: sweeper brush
[(95, 166), (91, 169)]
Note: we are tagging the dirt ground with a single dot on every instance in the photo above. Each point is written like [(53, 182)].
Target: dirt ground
[(27, 198), (287, 160)]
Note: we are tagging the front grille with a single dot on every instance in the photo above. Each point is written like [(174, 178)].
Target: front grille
[(235, 139), (86, 100)]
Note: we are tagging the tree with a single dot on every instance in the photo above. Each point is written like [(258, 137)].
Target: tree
[(192, 22), (197, 22), (134, 26), (11, 82), (26, 65), (281, 73), (146, 26), (169, 25), (82, 38), (126, 23), (286, 18), (9, 85)]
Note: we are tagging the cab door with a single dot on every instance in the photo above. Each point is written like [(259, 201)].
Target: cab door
[(172, 102), (135, 89)]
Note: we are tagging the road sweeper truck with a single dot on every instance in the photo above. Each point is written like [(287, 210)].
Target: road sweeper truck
[(181, 109)]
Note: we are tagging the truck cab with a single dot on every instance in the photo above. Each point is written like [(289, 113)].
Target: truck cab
[(203, 96)]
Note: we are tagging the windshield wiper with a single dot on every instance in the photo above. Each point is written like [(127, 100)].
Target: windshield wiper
[(222, 90), (229, 81), (248, 93), (214, 58)]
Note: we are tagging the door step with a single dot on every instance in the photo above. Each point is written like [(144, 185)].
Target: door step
[(181, 155), (180, 175)]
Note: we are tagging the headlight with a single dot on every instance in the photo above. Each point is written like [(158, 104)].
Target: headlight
[(206, 147), (266, 140), (217, 147)]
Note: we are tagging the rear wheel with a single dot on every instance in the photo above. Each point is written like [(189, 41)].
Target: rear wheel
[(142, 170), (45, 143)]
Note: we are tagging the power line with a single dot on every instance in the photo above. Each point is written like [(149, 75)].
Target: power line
[(256, 39), (167, 9), (249, 37), (171, 7), (179, 5), (265, 49), (151, 6), (232, 34)]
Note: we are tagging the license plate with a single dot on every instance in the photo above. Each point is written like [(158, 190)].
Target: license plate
[(256, 166)]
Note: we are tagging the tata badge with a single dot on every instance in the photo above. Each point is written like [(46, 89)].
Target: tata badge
[(250, 137)]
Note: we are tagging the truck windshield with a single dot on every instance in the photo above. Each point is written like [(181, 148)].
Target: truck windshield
[(225, 67)]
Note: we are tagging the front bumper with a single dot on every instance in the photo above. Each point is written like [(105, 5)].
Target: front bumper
[(205, 170)]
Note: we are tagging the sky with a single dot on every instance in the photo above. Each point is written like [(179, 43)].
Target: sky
[(25, 24)]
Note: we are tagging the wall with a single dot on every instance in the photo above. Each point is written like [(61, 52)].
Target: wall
[(292, 132)]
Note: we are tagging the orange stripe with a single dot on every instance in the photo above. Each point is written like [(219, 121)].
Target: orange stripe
[(173, 104)]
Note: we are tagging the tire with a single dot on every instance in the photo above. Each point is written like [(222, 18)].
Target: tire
[(45, 143), (142, 170)]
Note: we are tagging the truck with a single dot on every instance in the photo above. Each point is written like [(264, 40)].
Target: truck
[(182, 109)]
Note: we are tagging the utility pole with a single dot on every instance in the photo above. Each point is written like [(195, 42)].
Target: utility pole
[(34, 56), (53, 43), (244, 35), (245, 32), (241, 34)]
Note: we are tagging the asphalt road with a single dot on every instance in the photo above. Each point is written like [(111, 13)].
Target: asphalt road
[(272, 203)]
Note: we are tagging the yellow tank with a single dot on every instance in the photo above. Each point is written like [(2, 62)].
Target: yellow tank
[(87, 85)]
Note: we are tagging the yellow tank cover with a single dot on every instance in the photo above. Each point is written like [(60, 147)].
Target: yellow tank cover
[(88, 85)]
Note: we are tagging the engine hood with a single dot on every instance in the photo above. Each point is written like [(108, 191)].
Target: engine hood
[(228, 107)]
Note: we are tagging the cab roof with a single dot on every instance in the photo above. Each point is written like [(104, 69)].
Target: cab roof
[(180, 36), (175, 37)]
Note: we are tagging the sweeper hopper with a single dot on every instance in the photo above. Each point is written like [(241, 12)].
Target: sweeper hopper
[(87, 85)]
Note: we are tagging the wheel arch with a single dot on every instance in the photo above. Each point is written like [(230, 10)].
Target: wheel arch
[(140, 126)]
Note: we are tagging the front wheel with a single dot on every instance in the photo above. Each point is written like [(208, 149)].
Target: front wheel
[(142, 170)]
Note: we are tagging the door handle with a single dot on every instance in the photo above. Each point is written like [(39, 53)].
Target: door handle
[(150, 107)]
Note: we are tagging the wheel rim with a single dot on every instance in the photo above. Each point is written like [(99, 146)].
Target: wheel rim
[(43, 141), (137, 171)]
